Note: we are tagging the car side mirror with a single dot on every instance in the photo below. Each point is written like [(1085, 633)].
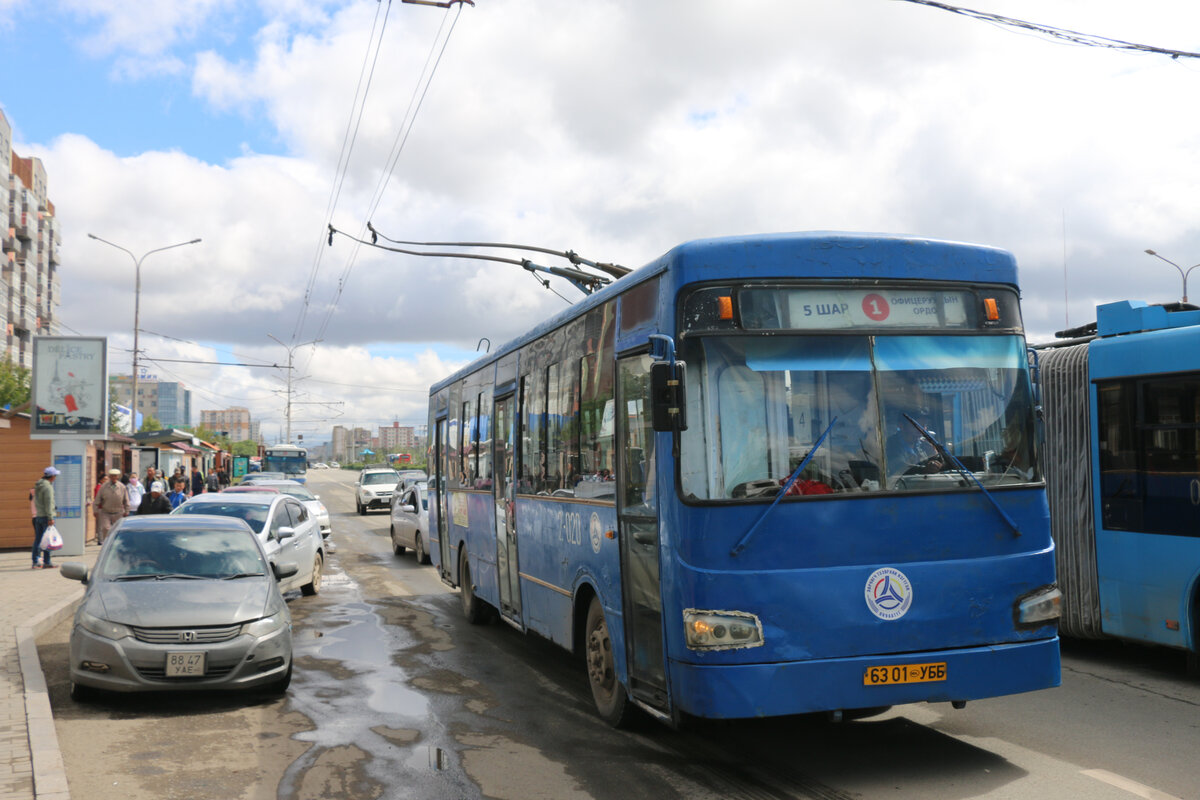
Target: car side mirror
[(407, 509), (285, 532), (75, 571), (316, 497), (668, 403), (285, 570)]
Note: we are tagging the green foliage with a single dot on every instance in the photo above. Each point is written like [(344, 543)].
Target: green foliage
[(14, 384), (247, 447), (151, 423)]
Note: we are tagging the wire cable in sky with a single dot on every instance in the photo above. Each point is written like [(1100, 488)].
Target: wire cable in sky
[(348, 140), (1062, 34), (410, 117)]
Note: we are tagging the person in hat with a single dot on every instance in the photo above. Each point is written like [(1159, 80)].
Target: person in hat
[(155, 502), (44, 512), (112, 504)]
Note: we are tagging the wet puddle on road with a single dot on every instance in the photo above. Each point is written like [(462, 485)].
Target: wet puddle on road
[(373, 735)]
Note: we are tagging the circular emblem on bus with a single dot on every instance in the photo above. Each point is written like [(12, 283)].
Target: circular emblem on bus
[(875, 307), (596, 532), (889, 593)]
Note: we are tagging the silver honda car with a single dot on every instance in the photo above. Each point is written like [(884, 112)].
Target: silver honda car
[(180, 602)]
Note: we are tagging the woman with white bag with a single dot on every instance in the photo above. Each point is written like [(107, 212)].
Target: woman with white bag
[(44, 512)]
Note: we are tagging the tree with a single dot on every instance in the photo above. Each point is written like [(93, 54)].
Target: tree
[(14, 384), (247, 447), (151, 423)]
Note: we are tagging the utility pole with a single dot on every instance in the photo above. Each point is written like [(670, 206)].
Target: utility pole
[(291, 350)]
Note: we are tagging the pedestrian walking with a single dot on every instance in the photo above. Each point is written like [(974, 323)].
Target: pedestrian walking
[(112, 504), (177, 495), (44, 512), (197, 482), (136, 492), (154, 502), (152, 475)]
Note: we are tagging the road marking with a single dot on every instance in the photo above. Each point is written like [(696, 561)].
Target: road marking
[(1133, 787)]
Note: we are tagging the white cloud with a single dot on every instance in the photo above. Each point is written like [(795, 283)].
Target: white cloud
[(619, 129)]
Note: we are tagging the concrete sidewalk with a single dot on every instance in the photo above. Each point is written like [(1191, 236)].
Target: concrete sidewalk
[(31, 602)]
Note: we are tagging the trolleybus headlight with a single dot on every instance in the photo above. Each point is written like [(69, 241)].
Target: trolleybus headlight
[(721, 630), (1039, 606)]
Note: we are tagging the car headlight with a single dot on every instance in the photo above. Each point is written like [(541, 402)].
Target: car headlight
[(102, 627), (265, 626), (1039, 607), (322, 510), (721, 630)]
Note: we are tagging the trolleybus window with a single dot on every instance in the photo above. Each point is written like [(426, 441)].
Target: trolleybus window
[(760, 405)]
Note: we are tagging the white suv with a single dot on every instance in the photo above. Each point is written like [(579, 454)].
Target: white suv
[(374, 488)]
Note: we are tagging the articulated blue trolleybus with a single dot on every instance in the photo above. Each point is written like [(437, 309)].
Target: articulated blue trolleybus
[(761, 476), (1123, 464)]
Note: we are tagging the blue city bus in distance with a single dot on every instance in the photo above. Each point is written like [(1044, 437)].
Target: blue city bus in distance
[(289, 459), (762, 475), (1123, 464)]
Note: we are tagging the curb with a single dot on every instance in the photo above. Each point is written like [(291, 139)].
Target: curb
[(49, 773)]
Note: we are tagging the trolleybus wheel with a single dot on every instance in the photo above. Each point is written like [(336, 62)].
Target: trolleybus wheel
[(607, 692), (473, 608)]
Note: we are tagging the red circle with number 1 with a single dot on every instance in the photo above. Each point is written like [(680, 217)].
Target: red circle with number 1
[(875, 307)]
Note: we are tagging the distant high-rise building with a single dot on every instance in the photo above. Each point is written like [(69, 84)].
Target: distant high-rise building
[(397, 437), (167, 401), (30, 240), (234, 422)]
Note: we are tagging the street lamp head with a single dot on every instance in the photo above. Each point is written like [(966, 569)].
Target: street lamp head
[(1151, 253)]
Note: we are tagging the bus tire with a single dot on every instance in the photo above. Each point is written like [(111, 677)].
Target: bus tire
[(612, 703), (473, 608)]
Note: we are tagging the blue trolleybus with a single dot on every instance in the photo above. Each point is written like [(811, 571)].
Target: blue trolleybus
[(760, 476), (289, 459), (1123, 467)]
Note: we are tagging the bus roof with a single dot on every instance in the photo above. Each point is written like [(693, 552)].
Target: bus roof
[(807, 254)]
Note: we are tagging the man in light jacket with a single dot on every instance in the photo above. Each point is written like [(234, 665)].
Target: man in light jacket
[(44, 512), (111, 505)]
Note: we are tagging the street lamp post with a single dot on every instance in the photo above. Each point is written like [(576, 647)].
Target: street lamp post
[(137, 299), (290, 351), (1182, 273)]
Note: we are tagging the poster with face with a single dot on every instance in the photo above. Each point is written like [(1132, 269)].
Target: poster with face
[(70, 387)]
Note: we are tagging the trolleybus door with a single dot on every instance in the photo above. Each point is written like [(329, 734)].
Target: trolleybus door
[(637, 512), (440, 499), (504, 458)]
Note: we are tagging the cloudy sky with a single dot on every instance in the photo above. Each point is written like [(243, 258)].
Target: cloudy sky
[(617, 128)]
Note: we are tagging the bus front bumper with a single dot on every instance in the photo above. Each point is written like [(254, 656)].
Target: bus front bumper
[(741, 691)]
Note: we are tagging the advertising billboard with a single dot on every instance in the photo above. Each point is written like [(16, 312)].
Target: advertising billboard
[(70, 387)]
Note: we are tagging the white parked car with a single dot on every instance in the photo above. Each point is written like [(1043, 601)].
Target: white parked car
[(374, 488), (287, 531), (311, 501), (410, 522)]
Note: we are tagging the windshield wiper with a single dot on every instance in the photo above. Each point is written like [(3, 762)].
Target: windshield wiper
[(740, 546), (242, 575), (158, 576), (962, 470)]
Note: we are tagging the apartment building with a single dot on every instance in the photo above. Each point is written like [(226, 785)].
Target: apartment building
[(234, 422), (169, 402), (30, 243)]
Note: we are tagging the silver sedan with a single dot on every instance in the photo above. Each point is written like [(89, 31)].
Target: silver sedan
[(410, 522), (180, 603)]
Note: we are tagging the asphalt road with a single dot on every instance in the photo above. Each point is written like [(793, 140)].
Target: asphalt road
[(395, 696)]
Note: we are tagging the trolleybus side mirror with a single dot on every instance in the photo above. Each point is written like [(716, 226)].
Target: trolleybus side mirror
[(668, 402)]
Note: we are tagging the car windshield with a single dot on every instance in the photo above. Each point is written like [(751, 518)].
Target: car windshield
[(758, 406), (372, 478), (159, 554), (298, 492), (253, 513)]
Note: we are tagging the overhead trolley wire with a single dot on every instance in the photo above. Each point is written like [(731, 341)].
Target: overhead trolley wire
[(419, 92), (348, 139), (1062, 34)]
